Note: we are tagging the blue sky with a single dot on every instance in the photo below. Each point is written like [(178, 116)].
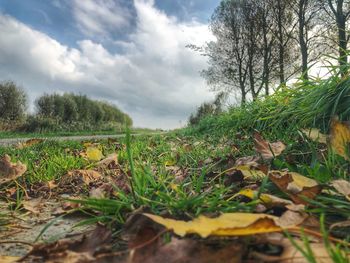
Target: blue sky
[(129, 52)]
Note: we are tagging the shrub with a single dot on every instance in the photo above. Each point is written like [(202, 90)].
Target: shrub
[(13, 102)]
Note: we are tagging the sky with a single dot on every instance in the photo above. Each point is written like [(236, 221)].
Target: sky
[(131, 53)]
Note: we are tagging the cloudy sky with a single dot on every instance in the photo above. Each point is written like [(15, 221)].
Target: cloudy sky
[(129, 52)]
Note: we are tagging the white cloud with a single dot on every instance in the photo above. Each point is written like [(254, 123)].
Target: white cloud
[(156, 78), (100, 17)]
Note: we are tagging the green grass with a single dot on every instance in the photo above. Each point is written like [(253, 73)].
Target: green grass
[(202, 154), (11, 134)]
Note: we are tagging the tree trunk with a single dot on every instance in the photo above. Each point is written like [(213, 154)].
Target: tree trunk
[(280, 43), (302, 42), (343, 59)]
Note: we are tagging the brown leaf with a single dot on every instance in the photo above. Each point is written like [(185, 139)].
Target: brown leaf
[(10, 171), (82, 249), (295, 185), (186, 250), (266, 149), (29, 143), (110, 162), (291, 254), (87, 176), (33, 205)]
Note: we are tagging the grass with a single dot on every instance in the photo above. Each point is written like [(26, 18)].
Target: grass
[(183, 173), (13, 135)]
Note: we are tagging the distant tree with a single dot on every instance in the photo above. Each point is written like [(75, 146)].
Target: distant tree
[(13, 102), (339, 13), (71, 108), (208, 109)]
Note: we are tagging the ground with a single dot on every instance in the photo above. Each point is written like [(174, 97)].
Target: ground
[(293, 203)]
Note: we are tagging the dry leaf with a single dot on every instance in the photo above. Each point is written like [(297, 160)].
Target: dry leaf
[(295, 185), (315, 135), (9, 259), (81, 249), (267, 199), (251, 172), (266, 149), (186, 250), (33, 205), (110, 162), (29, 143), (230, 224), (94, 154), (291, 254), (10, 171), (292, 218), (342, 187), (87, 176), (340, 138), (248, 160)]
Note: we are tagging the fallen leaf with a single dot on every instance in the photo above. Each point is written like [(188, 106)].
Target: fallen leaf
[(340, 138), (266, 149), (291, 254), (29, 143), (186, 250), (342, 187), (170, 163), (110, 162), (9, 259), (10, 171), (291, 218), (230, 224), (248, 160), (82, 249), (315, 135), (250, 172), (94, 154), (33, 205), (87, 176), (295, 185), (267, 199)]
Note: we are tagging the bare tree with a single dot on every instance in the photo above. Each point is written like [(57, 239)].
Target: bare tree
[(307, 14), (339, 11)]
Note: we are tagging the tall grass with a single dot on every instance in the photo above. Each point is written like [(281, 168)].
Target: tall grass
[(305, 104)]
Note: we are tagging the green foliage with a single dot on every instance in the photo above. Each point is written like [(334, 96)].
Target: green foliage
[(208, 109), (305, 104), (13, 102), (71, 108)]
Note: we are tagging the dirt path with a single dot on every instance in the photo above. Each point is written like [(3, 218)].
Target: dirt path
[(13, 141)]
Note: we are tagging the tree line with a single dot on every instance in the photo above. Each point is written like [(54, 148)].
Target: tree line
[(261, 44), (65, 109)]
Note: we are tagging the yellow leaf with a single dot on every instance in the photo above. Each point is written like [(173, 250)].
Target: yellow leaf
[(94, 154), (315, 135), (301, 181), (340, 138), (295, 185), (9, 259), (250, 172), (265, 198), (170, 163), (230, 224)]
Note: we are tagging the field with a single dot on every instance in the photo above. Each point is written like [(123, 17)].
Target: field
[(69, 186)]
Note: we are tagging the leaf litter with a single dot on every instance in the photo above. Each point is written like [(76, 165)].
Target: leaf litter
[(204, 237)]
